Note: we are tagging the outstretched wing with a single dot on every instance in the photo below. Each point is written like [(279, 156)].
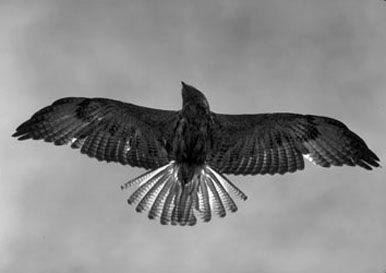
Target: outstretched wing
[(106, 129), (276, 143)]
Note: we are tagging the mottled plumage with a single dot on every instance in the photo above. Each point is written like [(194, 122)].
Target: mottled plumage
[(187, 152)]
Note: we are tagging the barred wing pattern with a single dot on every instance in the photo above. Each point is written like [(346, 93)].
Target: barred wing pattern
[(105, 129), (276, 143)]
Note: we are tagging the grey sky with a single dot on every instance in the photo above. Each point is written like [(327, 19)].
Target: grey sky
[(63, 212)]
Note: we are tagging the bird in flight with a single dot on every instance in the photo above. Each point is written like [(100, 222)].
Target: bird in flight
[(187, 153)]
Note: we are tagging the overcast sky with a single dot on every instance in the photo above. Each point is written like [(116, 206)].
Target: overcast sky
[(63, 212)]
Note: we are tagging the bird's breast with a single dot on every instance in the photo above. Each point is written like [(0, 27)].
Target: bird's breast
[(190, 141)]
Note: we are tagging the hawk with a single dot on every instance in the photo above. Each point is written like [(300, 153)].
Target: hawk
[(187, 153)]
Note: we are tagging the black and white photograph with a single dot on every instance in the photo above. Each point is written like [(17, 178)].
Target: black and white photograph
[(193, 136)]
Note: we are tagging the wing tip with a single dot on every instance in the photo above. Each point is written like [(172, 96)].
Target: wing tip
[(22, 129), (21, 135), (368, 160)]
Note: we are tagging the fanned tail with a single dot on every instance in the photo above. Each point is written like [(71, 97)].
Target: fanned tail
[(162, 193)]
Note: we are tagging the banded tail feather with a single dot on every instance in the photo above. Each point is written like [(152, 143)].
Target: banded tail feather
[(162, 193)]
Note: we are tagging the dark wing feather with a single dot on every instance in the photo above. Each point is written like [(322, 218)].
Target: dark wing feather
[(106, 129), (276, 143)]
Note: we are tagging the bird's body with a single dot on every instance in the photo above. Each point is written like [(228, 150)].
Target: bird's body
[(188, 151), (191, 135)]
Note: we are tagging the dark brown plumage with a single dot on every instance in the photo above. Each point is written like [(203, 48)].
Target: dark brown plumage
[(188, 151)]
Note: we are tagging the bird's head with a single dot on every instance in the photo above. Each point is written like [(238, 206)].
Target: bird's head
[(192, 97)]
